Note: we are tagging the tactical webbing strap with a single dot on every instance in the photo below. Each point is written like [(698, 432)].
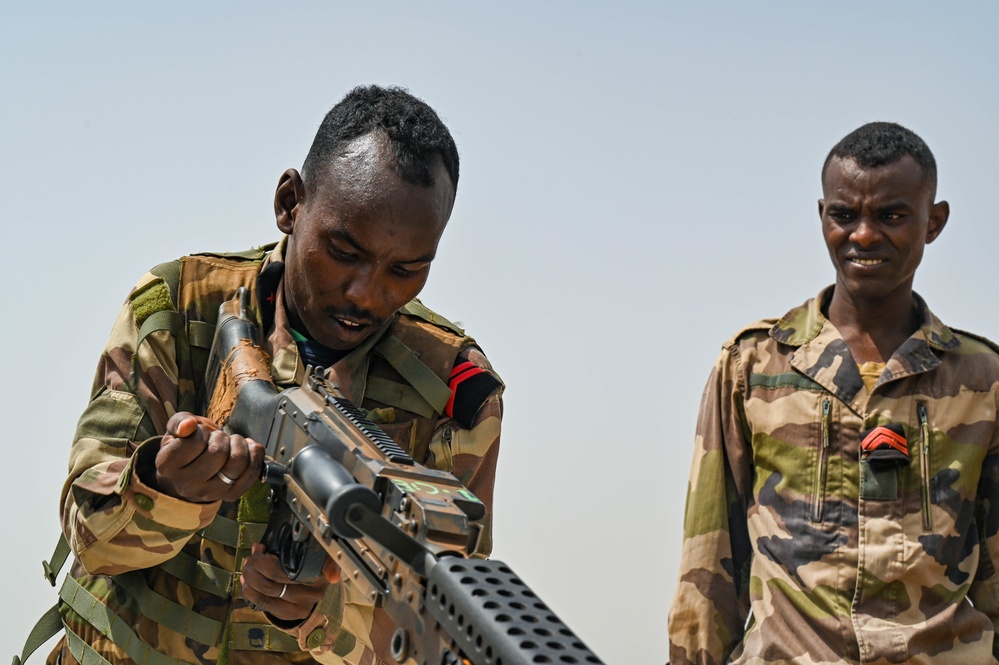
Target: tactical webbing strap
[(416, 308), (83, 652), (405, 361), (200, 334), (109, 624), (49, 623), (165, 319), (57, 560), (397, 394), (204, 576), (261, 637), (164, 611), (233, 533), (45, 628)]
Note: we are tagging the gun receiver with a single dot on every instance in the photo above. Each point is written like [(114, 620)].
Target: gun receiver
[(401, 532)]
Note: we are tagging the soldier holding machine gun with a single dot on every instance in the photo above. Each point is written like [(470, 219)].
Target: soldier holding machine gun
[(164, 511)]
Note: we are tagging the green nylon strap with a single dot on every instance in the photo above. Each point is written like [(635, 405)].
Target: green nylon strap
[(232, 533), (83, 652), (164, 611), (405, 361), (204, 576), (57, 560), (261, 637), (109, 624), (200, 334), (252, 254), (46, 627), (165, 319), (416, 308), (400, 395)]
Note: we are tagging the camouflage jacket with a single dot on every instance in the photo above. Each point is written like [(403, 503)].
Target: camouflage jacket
[(795, 550), (155, 579)]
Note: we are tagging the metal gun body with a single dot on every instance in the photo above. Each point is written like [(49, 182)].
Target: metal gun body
[(401, 533)]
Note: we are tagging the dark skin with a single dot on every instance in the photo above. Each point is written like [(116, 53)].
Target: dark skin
[(876, 223), (359, 248)]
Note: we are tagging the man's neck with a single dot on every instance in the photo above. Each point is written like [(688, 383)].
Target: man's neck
[(873, 329)]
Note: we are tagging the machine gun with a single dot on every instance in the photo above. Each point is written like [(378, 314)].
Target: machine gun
[(402, 533)]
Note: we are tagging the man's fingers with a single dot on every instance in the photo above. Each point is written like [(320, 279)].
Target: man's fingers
[(183, 424), (331, 571), (243, 467), (187, 427), (238, 459), (267, 586)]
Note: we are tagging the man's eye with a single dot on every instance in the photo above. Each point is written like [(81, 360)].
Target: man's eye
[(341, 254), (403, 272)]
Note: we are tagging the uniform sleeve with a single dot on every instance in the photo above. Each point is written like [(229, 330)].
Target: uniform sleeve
[(113, 521), (470, 453), (712, 597), (984, 592)]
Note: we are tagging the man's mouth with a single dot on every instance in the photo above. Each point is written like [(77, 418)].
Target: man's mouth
[(866, 262), (347, 323)]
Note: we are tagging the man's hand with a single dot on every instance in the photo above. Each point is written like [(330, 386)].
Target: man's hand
[(198, 462), (269, 589)]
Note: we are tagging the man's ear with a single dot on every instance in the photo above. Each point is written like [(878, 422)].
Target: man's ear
[(939, 214), (288, 200)]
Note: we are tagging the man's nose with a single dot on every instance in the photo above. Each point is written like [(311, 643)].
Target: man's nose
[(362, 290), (866, 232)]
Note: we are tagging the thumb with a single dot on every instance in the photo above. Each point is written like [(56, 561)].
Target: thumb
[(183, 424)]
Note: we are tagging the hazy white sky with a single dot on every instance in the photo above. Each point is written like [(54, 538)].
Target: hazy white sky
[(639, 180)]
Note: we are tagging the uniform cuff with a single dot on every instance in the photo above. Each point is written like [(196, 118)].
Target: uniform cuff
[(159, 507)]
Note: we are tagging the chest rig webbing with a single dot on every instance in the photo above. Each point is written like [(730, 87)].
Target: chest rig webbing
[(411, 386)]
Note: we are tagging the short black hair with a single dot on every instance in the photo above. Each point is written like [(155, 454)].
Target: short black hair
[(880, 143), (414, 130)]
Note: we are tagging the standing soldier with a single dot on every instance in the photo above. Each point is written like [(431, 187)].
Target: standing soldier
[(164, 512), (844, 499)]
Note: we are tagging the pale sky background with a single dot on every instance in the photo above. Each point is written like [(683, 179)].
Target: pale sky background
[(639, 180)]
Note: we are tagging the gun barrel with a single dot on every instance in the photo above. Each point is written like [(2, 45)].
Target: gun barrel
[(495, 618)]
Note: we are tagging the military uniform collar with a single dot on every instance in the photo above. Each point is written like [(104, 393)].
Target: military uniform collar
[(822, 354), (805, 322)]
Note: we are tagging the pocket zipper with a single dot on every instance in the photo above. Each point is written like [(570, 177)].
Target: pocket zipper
[(820, 472), (924, 463)]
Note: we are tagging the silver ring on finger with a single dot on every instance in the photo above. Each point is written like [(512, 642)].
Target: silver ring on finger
[(225, 479), (284, 589)]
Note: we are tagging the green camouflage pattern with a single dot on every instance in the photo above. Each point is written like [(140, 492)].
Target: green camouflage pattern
[(126, 535), (796, 551)]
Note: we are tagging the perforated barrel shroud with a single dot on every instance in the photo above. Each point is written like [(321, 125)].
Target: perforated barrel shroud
[(497, 618)]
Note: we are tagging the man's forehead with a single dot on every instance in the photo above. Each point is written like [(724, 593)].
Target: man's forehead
[(848, 173), (361, 157)]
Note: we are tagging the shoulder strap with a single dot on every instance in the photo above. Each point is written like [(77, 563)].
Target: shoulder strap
[(49, 623), (405, 361), (415, 307), (44, 629)]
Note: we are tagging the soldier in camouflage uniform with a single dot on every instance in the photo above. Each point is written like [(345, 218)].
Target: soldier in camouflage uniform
[(843, 504), (164, 512)]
